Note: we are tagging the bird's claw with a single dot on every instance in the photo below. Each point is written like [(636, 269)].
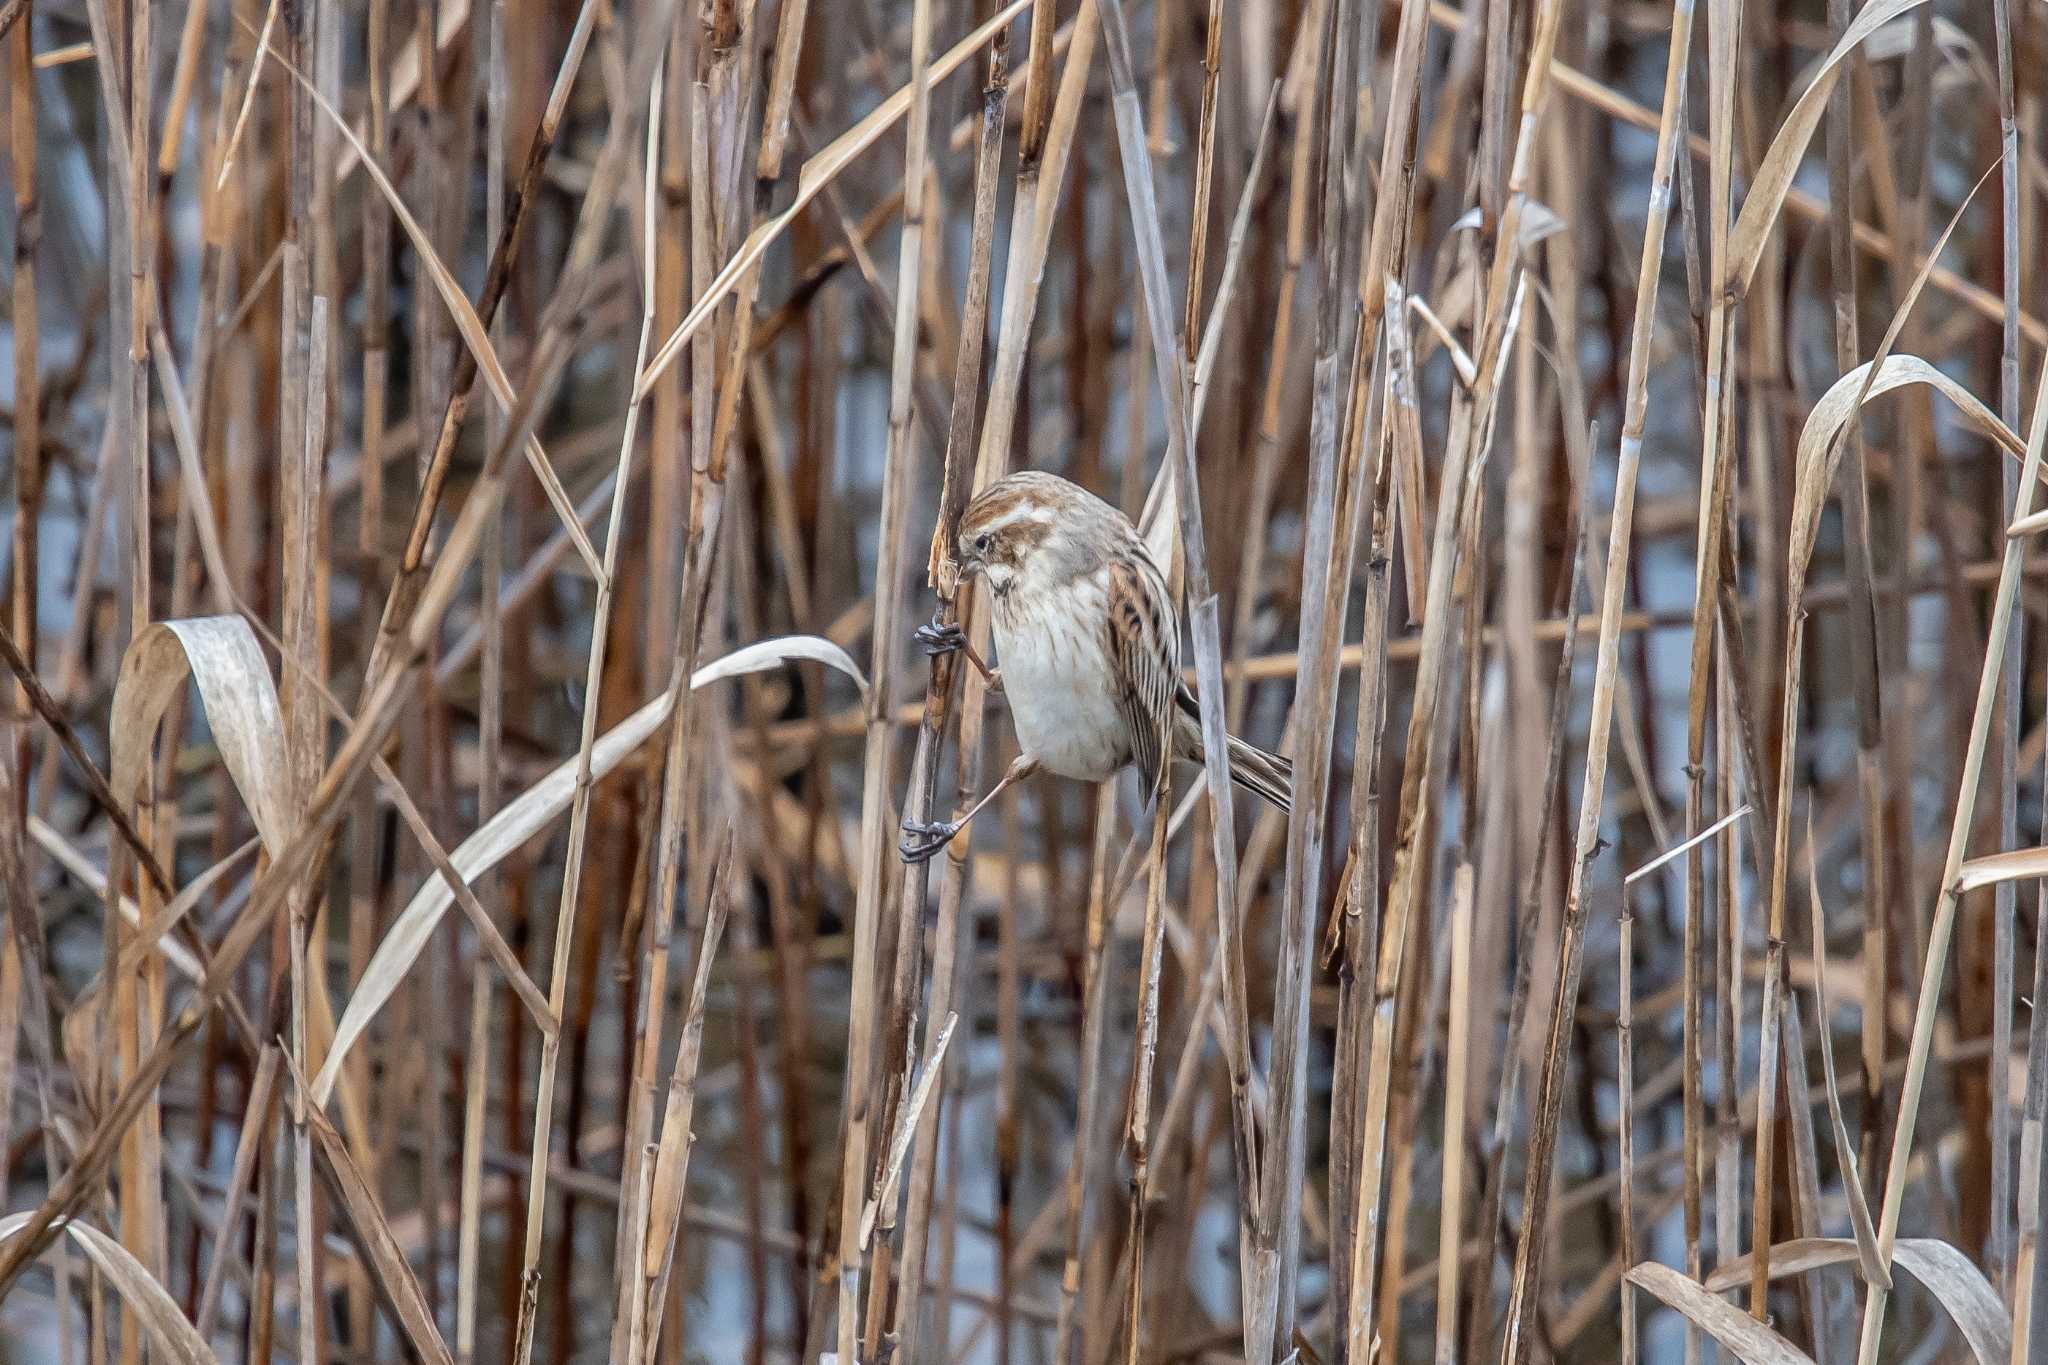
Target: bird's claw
[(926, 838), (936, 639)]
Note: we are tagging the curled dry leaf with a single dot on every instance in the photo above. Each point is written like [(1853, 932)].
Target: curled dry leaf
[(2013, 865), (1820, 446), (1538, 221), (1820, 454), (521, 820), (169, 1330), (220, 654), (1749, 1340), (1948, 1274), (782, 649)]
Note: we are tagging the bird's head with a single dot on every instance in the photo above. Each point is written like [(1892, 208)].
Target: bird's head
[(1014, 527)]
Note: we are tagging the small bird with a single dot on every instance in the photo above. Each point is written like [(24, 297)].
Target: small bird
[(1088, 638)]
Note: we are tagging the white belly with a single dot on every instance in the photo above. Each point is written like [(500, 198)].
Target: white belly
[(1059, 681)]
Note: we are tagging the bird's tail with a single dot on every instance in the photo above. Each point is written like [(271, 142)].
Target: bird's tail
[(1269, 775)]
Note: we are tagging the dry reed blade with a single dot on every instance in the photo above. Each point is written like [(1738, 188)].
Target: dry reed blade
[(816, 172), (1941, 1267), (475, 334), (139, 1291), (1751, 1341), (519, 820), (353, 1195), (1943, 923)]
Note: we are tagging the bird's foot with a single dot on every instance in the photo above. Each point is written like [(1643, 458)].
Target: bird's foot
[(936, 639), (926, 838)]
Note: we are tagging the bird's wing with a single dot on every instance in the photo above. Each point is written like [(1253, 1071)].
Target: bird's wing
[(1144, 649)]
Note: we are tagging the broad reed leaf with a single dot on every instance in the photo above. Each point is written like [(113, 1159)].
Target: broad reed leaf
[(1781, 162), (170, 1330), (1948, 1274), (521, 820), (1749, 1340)]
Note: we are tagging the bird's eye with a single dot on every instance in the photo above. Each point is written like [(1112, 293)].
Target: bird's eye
[(981, 543)]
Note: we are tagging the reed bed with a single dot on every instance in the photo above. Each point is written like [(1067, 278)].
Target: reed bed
[(478, 465)]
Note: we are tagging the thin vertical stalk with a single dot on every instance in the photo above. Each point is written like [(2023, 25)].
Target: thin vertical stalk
[(1841, 150), (1145, 1051), (1947, 901), (301, 492), (579, 829), (2012, 695), (1450, 1230), (490, 742), (1536, 1187), (865, 1081), (1625, 1088), (960, 443), (28, 393)]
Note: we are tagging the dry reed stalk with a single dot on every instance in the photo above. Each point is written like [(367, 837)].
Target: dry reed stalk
[(1174, 375), (2004, 923), (491, 47), (786, 369), (309, 846), (867, 1099), (2030, 1323), (1452, 532), (1537, 1182), (1948, 898), (961, 438), (1145, 1048), (1764, 1186), (1863, 616), (1270, 1242), (23, 578), (1458, 1051), (663, 1188), (654, 976)]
